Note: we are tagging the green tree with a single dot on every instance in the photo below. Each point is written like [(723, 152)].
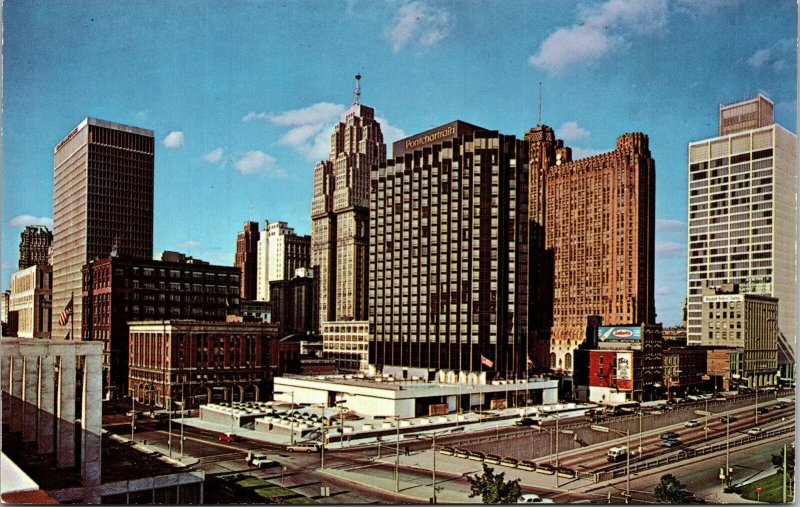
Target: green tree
[(493, 488), (777, 462), (671, 490)]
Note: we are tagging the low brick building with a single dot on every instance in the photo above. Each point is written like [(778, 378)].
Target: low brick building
[(199, 361)]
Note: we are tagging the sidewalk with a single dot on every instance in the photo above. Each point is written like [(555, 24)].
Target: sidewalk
[(149, 448)]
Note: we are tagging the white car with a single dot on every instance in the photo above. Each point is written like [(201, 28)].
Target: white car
[(533, 498), (693, 423), (754, 431)]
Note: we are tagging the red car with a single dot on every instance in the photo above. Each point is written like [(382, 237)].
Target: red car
[(229, 437)]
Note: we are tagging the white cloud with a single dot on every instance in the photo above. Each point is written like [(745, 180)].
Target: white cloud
[(258, 162), (390, 132), (664, 291), (759, 58), (174, 140), (670, 250), (142, 114), (214, 156), (579, 153), (418, 23), (191, 244), (252, 115), (571, 131), (600, 31), (670, 225), (25, 220), (705, 7), (321, 112)]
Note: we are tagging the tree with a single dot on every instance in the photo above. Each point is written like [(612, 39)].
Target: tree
[(671, 490), (494, 488), (777, 462)]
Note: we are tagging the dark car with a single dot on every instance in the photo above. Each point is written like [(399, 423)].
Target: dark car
[(762, 410), (728, 418), (670, 443), (670, 435), (525, 421)]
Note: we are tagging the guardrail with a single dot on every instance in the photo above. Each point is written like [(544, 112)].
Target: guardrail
[(618, 470)]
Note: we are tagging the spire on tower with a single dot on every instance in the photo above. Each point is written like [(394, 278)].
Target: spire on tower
[(357, 92), (540, 103)]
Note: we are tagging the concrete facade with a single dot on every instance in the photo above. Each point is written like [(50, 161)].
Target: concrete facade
[(280, 253), (348, 344), (743, 216), (29, 389), (31, 297)]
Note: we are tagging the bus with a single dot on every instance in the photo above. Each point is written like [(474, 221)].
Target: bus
[(616, 454)]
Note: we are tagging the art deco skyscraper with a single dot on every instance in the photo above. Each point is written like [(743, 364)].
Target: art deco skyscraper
[(102, 203), (247, 259), (340, 213), (598, 217), (743, 216), (34, 246)]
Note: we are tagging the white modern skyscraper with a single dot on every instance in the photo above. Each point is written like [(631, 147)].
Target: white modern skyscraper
[(280, 253), (743, 215)]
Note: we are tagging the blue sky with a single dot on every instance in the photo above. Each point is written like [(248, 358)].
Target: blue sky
[(242, 96)]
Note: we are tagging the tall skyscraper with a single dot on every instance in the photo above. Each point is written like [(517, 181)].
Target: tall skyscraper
[(340, 213), (280, 253), (34, 246), (598, 218), (102, 204), (743, 215), (247, 259), (448, 253)]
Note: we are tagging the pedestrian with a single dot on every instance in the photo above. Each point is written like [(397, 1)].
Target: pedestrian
[(408, 451)]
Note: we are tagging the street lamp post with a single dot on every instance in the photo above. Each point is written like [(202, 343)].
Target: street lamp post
[(627, 434), (322, 448), (397, 459), (639, 453)]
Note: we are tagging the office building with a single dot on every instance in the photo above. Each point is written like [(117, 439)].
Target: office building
[(747, 321), (34, 246), (200, 362), (743, 216), (598, 217), (280, 253), (340, 213), (448, 254), (293, 304), (347, 343), (118, 291), (30, 298), (102, 204), (247, 259)]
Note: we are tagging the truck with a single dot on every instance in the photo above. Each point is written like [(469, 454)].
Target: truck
[(617, 454)]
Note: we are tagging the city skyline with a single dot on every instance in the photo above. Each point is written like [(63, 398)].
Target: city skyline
[(242, 116)]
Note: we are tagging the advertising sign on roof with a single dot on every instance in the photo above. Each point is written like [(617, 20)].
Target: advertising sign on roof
[(618, 333)]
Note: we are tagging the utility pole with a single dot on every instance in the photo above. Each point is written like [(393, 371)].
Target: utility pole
[(640, 432), (322, 450), (433, 450), (397, 460), (784, 473)]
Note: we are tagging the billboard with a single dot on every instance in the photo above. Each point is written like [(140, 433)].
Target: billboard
[(625, 371), (619, 333)]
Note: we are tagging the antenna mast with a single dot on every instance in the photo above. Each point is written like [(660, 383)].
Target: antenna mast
[(357, 92), (540, 103)]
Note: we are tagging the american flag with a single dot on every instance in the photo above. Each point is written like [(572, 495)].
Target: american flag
[(489, 363), (66, 314)]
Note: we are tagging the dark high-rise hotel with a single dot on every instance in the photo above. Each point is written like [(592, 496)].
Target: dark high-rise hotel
[(448, 253), (102, 203), (247, 259), (34, 246)]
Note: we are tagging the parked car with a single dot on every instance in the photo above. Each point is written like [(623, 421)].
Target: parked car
[(527, 464), (533, 498), (446, 450), (509, 462), (694, 423), (492, 459), (476, 456), (229, 437), (755, 430), (670, 435), (461, 453), (526, 421), (303, 447), (671, 443)]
